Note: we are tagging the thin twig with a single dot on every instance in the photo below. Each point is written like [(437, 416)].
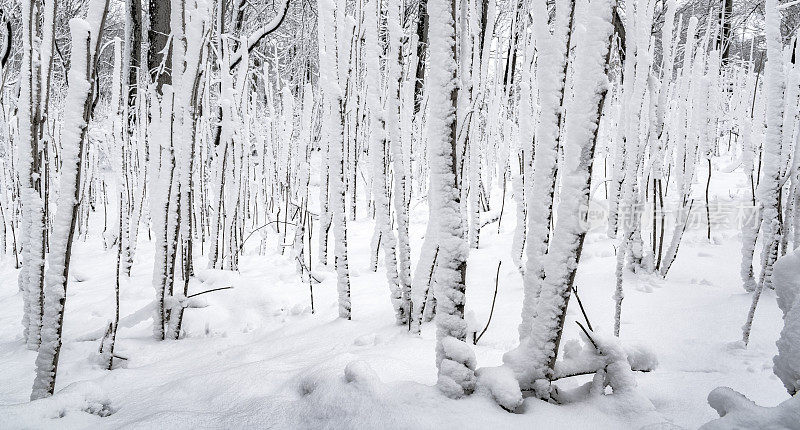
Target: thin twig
[(302, 264), (491, 312), (208, 291), (587, 335), (260, 227), (583, 311)]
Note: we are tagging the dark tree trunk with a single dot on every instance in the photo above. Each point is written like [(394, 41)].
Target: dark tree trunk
[(158, 36), (422, 49), (134, 46)]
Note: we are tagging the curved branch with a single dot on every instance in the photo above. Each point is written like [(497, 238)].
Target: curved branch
[(256, 36), (260, 227)]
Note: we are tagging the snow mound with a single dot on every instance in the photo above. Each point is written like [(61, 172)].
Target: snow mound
[(584, 358), (499, 384), (738, 412), (70, 406), (359, 372), (641, 357), (786, 279)]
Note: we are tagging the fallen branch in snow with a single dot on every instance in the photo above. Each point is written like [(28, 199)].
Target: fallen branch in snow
[(143, 314), (556, 377), (586, 362)]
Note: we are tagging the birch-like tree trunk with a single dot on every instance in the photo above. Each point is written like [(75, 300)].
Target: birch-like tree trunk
[(32, 226), (376, 104), (85, 39), (535, 358), (768, 193), (454, 358), (331, 21), (551, 67)]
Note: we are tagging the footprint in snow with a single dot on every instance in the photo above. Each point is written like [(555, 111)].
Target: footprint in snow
[(366, 340)]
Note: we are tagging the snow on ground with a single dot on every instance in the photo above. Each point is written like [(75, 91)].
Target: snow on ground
[(256, 357)]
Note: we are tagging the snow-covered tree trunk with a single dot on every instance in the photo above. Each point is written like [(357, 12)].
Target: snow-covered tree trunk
[(377, 153), (454, 358), (752, 223), (768, 193), (161, 177), (535, 358), (394, 118), (522, 170), (32, 226), (637, 68), (188, 23), (686, 144), (551, 67), (331, 14), (85, 39), (324, 194), (304, 171)]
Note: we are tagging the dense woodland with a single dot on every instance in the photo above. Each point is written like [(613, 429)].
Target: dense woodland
[(193, 136)]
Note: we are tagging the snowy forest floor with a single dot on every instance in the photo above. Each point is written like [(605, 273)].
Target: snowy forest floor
[(256, 357)]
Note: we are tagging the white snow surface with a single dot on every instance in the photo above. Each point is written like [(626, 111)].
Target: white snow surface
[(255, 357)]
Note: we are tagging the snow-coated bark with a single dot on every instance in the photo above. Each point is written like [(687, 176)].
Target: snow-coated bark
[(84, 35), (768, 193), (638, 70), (304, 171), (454, 358), (535, 358), (32, 226), (324, 194), (423, 301), (394, 118), (188, 23), (786, 278), (161, 173), (377, 153), (769, 186), (550, 74), (751, 227), (330, 15), (523, 170), (686, 144)]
